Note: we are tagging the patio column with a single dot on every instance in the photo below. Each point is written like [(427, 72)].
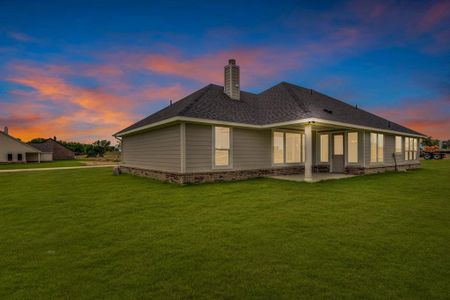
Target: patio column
[(308, 152), (39, 157)]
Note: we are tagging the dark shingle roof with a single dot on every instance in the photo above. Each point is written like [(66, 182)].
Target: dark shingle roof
[(283, 102), (48, 145)]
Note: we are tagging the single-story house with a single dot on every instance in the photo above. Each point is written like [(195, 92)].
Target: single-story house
[(12, 150), (223, 133), (59, 151)]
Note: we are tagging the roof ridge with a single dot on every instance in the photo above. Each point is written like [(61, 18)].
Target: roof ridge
[(299, 102), (15, 139)]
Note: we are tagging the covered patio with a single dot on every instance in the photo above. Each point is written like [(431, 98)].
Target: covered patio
[(328, 150), (316, 177)]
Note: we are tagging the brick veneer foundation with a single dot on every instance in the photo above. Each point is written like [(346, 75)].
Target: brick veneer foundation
[(356, 170), (247, 174), (211, 176)]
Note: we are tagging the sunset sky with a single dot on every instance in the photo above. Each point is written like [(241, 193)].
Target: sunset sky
[(82, 71)]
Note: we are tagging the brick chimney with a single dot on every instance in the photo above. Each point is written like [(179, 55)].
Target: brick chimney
[(232, 81), (6, 130)]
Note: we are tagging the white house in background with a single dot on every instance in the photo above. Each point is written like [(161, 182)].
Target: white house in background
[(13, 150)]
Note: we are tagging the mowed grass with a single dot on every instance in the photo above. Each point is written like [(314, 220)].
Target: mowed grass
[(49, 164), (86, 234)]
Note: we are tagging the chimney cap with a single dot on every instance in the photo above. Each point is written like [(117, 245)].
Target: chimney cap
[(231, 61), (6, 130)]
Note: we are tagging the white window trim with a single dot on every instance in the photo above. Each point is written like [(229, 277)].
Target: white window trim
[(213, 148), (284, 163)]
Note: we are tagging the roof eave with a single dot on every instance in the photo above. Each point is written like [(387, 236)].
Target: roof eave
[(254, 126)]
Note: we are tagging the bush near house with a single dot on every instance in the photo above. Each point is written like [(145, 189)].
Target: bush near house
[(86, 234)]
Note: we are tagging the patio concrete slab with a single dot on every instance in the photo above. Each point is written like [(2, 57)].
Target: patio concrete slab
[(315, 178)]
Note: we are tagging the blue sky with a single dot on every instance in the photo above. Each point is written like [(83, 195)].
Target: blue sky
[(82, 71)]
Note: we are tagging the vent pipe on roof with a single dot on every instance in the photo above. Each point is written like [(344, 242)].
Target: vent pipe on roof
[(231, 85), (6, 130)]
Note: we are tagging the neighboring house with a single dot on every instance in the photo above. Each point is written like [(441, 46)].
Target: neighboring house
[(222, 133), (60, 152), (13, 150)]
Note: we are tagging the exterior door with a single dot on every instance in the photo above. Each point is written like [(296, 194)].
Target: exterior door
[(338, 163)]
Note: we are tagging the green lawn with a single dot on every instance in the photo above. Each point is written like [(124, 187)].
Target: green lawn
[(79, 234), (50, 164)]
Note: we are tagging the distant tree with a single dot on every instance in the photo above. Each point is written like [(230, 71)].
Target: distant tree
[(102, 146), (430, 142), (38, 140), (92, 153), (78, 148)]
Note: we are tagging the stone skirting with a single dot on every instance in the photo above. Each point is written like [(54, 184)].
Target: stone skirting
[(357, 170), (211, 176), (321, 168), (247, 174)]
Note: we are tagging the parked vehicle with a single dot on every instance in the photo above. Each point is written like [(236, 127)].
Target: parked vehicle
[(433, 152)]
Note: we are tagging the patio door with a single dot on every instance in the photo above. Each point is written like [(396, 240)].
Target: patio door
[(338, 161)]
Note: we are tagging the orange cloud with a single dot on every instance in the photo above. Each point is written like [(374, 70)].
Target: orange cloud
[(255, 64), (428, 117), (83, 114), (57, 105), (174, 92)]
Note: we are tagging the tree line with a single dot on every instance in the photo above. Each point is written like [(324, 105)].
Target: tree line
[(98, 148)]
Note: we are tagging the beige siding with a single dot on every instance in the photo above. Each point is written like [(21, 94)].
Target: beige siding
[(9, 145), (47, 156), (198, 148), (389, 149), (251, 149), (158, 149), (367, 148)]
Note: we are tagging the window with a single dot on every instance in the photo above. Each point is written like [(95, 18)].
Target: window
[(19, 157), (410, 148), (324, 148), (222, 146), (415, 149), (338, 148), (376, 147), (278, 147), (380, 147), (352, 147), (10, 156), (288, 147), (398, 144), (293, 150)]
